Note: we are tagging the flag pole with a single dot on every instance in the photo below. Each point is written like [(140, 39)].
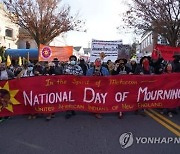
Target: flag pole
[(28, 57)]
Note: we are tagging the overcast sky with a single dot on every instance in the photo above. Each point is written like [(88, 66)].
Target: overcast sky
[(102, 19)]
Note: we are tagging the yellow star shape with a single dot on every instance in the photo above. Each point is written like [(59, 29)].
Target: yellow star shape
[(12, 99)]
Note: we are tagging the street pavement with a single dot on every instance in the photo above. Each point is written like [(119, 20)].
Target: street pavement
[(84, 134)]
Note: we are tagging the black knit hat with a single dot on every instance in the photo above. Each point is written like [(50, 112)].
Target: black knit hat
[(72, 56), (55, 60), (148, 57), (123, 59)]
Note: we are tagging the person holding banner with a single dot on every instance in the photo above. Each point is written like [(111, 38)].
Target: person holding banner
[(72, 69), (26, 72), (17, 70), (158, 63), (133, 65), (145, 66), (97, 70), (37, 69), (169, 69), (176, 62), (120, 69), (5, 74), (110, 66), (83, 65), (58, 69), (49, 69), (52, 68)]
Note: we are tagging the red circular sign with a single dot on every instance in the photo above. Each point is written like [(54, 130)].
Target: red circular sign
[(46, 52)]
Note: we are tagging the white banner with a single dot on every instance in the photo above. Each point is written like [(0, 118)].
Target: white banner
[(107, 48)]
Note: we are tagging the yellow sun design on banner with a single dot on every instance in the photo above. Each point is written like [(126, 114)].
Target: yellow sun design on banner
[(13, 101)]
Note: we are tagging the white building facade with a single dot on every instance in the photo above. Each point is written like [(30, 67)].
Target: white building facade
[(25, 40), (8, 31), (148, 42)]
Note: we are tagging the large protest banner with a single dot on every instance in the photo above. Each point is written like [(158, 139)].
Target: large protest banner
[(108, 48), (167, 52), (45, 94), (48, 53)]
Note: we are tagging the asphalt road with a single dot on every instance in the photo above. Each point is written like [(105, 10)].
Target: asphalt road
[(83, 134)]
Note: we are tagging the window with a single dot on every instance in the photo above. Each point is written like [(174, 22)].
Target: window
[(28, 45), (147, 41), (150, 39), (163, 41), (9, 32)]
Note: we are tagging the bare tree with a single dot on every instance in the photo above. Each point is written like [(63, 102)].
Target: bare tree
[(43, 19), (159, 16)]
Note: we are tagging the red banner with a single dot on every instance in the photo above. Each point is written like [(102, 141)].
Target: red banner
[(46, 94), (48, 53), (166, 51)]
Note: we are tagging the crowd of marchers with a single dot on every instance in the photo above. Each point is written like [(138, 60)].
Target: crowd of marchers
[(74, 66)]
